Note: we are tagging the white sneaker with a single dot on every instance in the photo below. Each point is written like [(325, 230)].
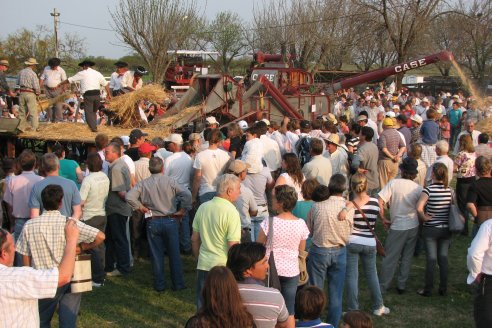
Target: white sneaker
[(381, 311), (97, 284), (114, 273)]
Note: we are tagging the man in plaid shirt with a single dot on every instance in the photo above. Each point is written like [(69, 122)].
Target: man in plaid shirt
[(42, 243)]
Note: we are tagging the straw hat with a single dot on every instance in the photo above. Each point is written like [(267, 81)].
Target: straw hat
[(31, 62)]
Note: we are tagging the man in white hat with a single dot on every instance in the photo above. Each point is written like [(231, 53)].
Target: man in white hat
[(337, 156), (422, 108), (29, 90), (416, 121)]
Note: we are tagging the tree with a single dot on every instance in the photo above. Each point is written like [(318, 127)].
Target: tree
[(153, 28), (404, 21), (225, 35), (40, 44)]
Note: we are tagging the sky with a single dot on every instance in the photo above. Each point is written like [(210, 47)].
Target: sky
[(95, 13)]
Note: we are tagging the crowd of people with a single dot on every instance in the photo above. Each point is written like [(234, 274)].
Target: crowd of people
[(86, 102), (272, 211)]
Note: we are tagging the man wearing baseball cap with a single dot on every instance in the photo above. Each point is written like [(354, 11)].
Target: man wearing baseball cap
[(245, 203), (137, 137), (391, 147), (29, 90)]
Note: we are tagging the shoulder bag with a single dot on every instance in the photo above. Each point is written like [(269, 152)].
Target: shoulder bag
[(456, 220), (379, 246), (272, 279)]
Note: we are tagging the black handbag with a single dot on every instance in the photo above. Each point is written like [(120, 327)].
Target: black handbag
[(272, 279)]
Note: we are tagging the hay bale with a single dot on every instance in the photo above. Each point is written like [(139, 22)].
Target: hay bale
[(125, 106)]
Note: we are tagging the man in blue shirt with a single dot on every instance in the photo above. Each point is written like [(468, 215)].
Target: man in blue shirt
[(71, 200), (455, 121)]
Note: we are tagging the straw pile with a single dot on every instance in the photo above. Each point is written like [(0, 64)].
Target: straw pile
[(78, 132), (125, 106), (485, 126), (43, 104), (171, 120)]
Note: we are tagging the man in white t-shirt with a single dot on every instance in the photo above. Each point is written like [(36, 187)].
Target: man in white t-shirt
[(271, 150), (401, 195), (179, 166), (209, 165), (253, 150)]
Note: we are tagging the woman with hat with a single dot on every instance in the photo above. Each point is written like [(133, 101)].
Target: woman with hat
[(401, 195)]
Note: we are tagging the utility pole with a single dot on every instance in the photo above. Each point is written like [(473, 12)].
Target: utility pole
[(55, 15)]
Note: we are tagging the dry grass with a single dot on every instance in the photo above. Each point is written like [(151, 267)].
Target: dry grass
[(79, 132), (125, 106), (43, 104), (485, 126)]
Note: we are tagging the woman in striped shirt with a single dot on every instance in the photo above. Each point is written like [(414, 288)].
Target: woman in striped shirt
[(433, 210), (363, 244)]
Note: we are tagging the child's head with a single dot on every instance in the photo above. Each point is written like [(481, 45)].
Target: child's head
[(444, 118), (310, 302), (357, 319)]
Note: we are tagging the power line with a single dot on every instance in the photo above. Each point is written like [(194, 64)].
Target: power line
[(89, 27)]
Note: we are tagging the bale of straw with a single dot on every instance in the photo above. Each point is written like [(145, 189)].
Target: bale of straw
[(125, 106)]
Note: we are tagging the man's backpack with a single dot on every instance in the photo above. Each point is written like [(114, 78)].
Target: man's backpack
[(303, 148)]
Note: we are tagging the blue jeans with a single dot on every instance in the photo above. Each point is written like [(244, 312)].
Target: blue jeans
[(19, 224), (117, 246), (184, 233), (201, 276), (163, 234), (68, 308), (329, 263), (255, 227), (437, 241), (367, 256), (288, 289)]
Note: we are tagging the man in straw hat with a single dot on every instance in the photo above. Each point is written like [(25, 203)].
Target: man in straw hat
[(337, 155), (91, 82), (29, 90), (4, 87), (51, 78), (391, 148)]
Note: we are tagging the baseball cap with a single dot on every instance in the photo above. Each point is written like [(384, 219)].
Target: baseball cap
[(211, 120), (267, 122), (388, 121), (237, 166), (305, 124), (126, 140), (243, 125), (146, 147), (361, 117), (175, 138), (390, 114)]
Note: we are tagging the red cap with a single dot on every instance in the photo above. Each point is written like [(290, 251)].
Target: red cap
[(146, 147)]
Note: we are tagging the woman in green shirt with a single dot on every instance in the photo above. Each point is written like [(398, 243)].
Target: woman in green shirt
[(69, 169)]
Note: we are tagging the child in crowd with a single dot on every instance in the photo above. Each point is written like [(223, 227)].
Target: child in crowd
[(445, 128), (356, 319), (310, 302)]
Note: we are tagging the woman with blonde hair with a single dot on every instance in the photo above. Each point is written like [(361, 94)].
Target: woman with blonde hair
[(362, 244), (464, 165)]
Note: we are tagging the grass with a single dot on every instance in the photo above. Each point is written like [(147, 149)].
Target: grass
[(131, 301)]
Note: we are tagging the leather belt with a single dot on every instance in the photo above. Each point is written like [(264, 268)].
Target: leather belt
[(25, 90)]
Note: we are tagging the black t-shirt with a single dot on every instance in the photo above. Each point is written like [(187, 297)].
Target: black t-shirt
[(133, 153), (237, 146), (480, 192)]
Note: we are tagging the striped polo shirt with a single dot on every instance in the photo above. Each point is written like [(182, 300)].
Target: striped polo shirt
[(265, 304), (361, 234), (437, 205)]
